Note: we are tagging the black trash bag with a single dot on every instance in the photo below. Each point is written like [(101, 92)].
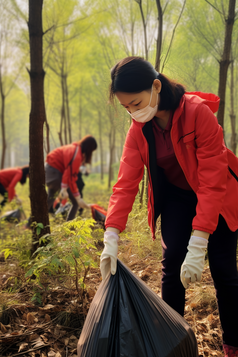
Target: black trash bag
[(14, 216), (127, 319)]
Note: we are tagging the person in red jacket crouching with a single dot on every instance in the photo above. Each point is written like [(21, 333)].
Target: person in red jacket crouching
[(8, 179), (61, 171), (193, 185)]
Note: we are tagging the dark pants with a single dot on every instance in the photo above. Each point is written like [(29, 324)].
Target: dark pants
[(176, 226), (53, 182), (80, 184), (4, 193)]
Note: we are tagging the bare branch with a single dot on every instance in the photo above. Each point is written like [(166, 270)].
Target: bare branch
[(214, 7), (172, 37), (49, 29), (165, 6)]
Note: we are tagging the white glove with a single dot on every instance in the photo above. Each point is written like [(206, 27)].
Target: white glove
[(192, 267), (63, 193), (108, 260), (83, 169), (18, 201), (81, 202)]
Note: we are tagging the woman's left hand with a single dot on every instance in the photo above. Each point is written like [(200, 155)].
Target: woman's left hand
[(192, 267)]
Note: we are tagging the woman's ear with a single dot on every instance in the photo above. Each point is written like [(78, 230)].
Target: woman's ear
[(157, 85)]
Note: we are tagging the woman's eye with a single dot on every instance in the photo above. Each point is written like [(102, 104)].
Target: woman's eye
[(136, 105)]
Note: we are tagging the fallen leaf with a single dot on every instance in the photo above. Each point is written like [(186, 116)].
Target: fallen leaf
[(91, 292), (38, 342), (23, 346), (24, 316), (3, 328), (47, 307), (51, 354), (30, 318), (44, 338), (33, 337), (47, 318), (210, 317), (72, 337)]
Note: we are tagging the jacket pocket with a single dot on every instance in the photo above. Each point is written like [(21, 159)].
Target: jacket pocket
[(189, 137), (231, 172)]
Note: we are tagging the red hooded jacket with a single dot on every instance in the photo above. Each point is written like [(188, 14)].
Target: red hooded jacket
[(67, 159), (209, 167), (9, 178)]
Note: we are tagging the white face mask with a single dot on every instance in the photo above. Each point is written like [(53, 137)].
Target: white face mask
[(146, 114)]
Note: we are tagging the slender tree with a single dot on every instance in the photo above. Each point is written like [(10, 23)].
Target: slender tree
[(232, 111), (225, 60), (38, 197)]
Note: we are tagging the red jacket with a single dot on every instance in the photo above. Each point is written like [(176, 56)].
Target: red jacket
[(9, 178), (67, 159), (209, 167)]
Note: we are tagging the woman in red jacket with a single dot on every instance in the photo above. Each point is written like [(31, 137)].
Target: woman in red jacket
[(8, 179), (61, 170), (193, 185)]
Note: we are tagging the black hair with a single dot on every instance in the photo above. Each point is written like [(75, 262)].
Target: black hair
[(135, 74), (88, 144), (25, 172)]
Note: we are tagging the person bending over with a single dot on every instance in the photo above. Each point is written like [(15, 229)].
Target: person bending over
[(61, 172)]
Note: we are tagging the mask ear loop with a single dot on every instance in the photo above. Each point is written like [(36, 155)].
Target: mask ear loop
[(151, 96)]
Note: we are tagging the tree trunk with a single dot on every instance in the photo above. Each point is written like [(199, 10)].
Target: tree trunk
[(112, 136), (67, 108), (112, 148), (47, 127), (232, 113), (38, 196), (225, 61), (64, 111), (159, 37), (144, 28), (80, 113), (4, 143), (100, 142)]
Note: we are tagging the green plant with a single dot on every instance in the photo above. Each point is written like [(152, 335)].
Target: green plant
[(70, 252), (39, 227)]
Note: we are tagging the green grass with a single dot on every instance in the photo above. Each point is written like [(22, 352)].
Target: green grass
[(15, 241)]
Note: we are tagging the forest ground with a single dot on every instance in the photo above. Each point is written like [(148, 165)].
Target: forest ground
[(46, 319)]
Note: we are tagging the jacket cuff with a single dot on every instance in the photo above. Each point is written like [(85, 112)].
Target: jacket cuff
[(76, 194), (64, 185)]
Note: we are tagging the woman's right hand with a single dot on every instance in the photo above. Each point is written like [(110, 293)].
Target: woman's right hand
[(63, 193), (108, 260)]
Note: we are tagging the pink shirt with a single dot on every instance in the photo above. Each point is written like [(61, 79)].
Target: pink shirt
[(166, 157)]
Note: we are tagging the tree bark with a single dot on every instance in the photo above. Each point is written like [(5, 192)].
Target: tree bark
[(112, 137), (100, 142), (225, 61), (80, 113), (67, 108), (47, 137), (232, 112), (4, 143), (38, 196), (159, 37), (139, 2)]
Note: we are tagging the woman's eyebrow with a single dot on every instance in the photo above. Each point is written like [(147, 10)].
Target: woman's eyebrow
[(130, 102), (133, 101)]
